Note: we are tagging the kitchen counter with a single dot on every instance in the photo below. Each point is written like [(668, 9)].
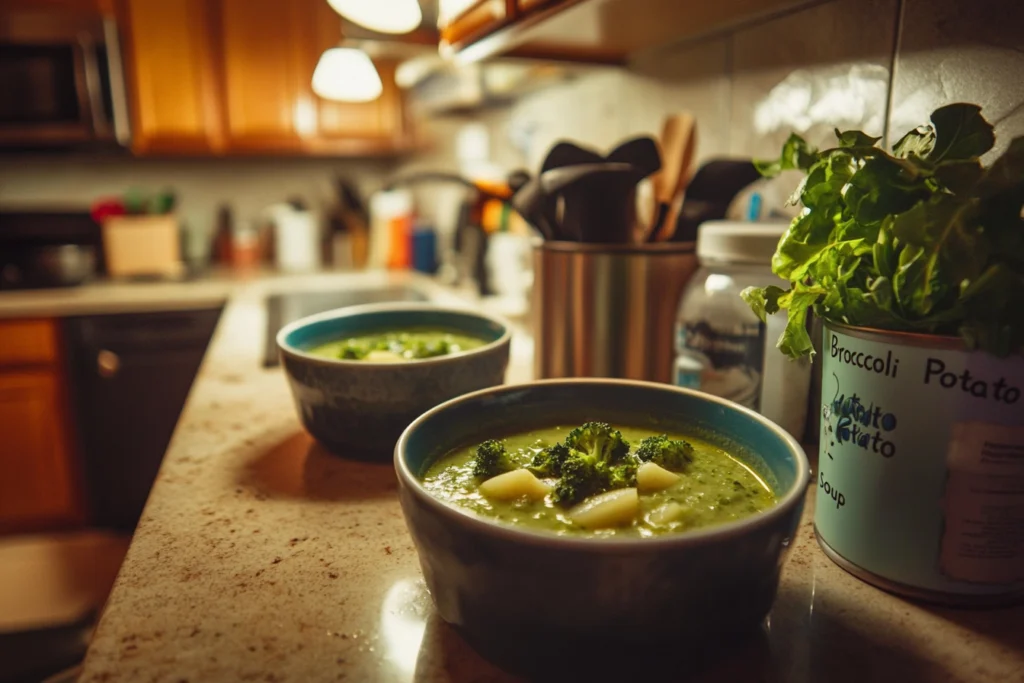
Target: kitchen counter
[(262, 557), (120, 297)]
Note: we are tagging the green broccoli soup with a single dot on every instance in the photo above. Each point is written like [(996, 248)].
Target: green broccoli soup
[(600, 480), (398, 345)]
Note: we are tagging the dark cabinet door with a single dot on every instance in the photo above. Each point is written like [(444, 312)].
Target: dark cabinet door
[(131, 376)]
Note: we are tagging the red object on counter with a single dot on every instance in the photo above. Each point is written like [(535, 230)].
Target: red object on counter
[(105, 208)]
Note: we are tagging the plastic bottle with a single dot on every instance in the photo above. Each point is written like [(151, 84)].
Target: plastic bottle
[(722, 348)]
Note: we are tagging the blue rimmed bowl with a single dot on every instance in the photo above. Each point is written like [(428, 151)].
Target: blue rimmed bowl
[(498, 583), (360, 408)]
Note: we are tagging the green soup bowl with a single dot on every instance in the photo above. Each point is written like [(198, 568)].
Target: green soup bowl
[(359, 408), (547, 593)]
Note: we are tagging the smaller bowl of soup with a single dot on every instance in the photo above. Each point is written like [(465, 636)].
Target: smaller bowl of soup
[(360, 375), (596, 513)]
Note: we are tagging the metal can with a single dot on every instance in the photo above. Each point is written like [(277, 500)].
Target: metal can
[(920, 482)]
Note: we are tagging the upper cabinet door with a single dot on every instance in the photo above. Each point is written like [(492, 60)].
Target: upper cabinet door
[(356, 127), (235, 77), (171, 77), (105, 7), (380, 119), (265, 47)]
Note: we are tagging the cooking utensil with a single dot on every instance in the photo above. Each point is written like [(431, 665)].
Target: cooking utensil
[(516, 179), (712, 190), (678, 144), (566, 153), (642, 153), (561, 155), (529, 202), (599, 200)]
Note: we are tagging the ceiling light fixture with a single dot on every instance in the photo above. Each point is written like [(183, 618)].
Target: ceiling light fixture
[(383, 16), (347, 75)]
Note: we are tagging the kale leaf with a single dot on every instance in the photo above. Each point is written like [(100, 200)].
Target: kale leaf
[(925, 239)]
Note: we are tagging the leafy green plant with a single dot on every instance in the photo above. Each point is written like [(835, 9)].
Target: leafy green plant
[(924, 239)]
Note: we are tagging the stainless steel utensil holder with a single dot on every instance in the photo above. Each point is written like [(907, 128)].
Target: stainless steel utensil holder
[(608, 310)]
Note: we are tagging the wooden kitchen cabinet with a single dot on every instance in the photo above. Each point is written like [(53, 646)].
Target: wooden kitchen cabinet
[(27, 342), (170, 71), (269, 50), (380, 119), (264, 46), (215, 77), (39, 484), (105, 7), (362, 127)]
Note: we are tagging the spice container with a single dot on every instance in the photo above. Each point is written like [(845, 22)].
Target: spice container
[(722, 348)]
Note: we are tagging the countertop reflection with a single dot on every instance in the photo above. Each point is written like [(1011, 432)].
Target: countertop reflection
[(262, 557)]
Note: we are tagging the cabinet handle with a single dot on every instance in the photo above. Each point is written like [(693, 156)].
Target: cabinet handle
[(107, 363)]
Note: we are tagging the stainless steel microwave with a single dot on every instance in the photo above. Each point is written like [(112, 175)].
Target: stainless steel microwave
[(61, 80)]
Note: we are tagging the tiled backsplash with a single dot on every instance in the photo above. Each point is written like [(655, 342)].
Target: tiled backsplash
[(877, 65), (969, 51), (247, 186)]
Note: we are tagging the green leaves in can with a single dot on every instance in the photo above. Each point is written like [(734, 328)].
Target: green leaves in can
[(925, 239)]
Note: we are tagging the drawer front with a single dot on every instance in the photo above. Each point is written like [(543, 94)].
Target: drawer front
[(24, 342), (38, 483)]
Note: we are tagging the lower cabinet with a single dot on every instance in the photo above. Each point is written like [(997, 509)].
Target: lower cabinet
[(39, 484)]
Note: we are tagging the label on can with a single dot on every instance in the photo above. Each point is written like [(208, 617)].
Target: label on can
[(921, 467), (983, 539), (732, 361)]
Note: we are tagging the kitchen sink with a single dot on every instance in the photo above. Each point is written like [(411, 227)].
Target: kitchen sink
[(284, 308)]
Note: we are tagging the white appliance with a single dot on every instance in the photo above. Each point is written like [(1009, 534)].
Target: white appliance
[(296, 237)]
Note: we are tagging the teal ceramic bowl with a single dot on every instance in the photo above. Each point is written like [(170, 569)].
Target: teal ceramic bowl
[(503, 584), (359, 408)]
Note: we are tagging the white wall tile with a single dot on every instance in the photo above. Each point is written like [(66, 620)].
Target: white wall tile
[(810, 72), (954, 51), (247, 186)]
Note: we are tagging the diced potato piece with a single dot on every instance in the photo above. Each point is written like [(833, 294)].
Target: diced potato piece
[(669, 513), (611, 509), (513, 485), (651, 477), (381, 356)]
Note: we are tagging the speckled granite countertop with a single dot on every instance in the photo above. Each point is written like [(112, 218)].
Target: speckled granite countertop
[(261, 557), (121, 297)]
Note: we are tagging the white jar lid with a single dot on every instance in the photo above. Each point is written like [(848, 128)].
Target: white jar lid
[(738, 242)]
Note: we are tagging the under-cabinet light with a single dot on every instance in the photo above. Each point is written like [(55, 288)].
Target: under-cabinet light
[(346, 74)]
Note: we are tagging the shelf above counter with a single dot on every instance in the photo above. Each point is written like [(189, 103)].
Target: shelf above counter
[(593, 31)]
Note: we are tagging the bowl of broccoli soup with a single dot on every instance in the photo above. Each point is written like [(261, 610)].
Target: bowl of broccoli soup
[(579, 511), (398, 345), (360, 375)]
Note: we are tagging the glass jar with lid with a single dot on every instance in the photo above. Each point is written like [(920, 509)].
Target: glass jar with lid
[(722, 348)]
